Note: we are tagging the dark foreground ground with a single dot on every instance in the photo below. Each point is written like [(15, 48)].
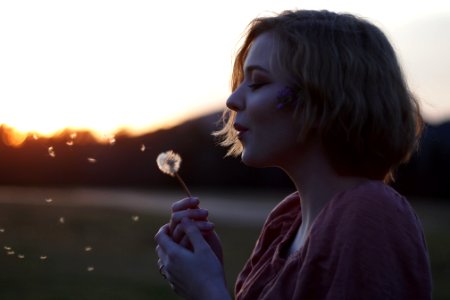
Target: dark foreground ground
[(56, 250)]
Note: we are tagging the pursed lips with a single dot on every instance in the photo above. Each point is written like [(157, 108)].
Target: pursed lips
[(240, 129)]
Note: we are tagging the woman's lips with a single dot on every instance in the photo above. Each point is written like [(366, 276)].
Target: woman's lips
[(240, 129)]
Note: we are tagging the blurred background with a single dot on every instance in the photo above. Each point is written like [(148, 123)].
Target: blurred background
[(92, 91)]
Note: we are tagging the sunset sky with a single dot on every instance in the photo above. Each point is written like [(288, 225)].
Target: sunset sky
[(141, 65)]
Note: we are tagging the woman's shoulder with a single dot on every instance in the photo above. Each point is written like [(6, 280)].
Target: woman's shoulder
[(374, 196), (372, 206)]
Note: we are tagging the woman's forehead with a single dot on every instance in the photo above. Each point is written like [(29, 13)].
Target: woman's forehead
[(263, 55), (261, 52)]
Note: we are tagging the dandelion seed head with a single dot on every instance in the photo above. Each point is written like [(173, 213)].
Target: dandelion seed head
[(169, 162), (51, 151)]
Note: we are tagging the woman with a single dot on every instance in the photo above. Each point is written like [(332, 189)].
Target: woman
[(321, 96)]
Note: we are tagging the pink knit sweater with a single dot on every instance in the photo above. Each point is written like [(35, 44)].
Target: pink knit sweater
[(367, 243)]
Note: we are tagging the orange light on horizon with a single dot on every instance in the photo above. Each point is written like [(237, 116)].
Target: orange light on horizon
[(13, 137), (16, 135)]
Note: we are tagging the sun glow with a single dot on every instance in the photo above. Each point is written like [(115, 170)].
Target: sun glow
[(112, 66)]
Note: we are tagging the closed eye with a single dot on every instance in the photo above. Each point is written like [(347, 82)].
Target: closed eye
[(255, 86)]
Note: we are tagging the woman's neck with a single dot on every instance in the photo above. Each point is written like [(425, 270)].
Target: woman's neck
[(317, 182)]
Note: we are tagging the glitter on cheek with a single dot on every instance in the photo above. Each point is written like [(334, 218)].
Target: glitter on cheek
[(284, 97)]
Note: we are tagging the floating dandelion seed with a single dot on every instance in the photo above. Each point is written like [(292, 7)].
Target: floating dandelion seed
[(135, 218), (43, 257), (90, 269), (91, 160), (88, 248), (169, 163), (142, 148), (51, 151), (62, 220), (10, 252), (35, 137), (48, 200), (2, 230), (21, 256), (69, 143), (110, 138), (7, 248), (73, 135)]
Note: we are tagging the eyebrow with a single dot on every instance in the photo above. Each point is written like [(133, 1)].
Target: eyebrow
[(251, 68)]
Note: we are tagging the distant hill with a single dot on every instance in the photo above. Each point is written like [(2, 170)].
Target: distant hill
[(130, 161)]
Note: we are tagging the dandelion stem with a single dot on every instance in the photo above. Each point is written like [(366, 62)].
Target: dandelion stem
[(183, 184)]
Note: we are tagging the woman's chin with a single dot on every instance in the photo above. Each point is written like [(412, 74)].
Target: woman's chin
[(251, 161)]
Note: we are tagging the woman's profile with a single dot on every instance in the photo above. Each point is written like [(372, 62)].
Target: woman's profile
[(321, 96)]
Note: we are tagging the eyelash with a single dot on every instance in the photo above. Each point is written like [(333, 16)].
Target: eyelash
[(255, 86)]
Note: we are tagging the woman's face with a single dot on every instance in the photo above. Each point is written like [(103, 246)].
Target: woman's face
[(268, 133)]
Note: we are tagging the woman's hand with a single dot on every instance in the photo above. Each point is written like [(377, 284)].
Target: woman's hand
[(189, 208), (194, 274)]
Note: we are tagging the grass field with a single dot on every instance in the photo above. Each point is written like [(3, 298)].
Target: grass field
[(57, 252)]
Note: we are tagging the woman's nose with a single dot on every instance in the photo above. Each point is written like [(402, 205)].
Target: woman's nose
[(235, 101)]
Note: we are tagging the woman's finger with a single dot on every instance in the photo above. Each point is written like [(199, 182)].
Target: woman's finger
[(163, 240), (198, 214), (185, 203), (194, 235), (204, 226)]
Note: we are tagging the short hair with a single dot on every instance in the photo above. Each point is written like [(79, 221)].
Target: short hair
[(349, 90)]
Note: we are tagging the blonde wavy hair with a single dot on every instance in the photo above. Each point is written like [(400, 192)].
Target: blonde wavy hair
[(349, 90)]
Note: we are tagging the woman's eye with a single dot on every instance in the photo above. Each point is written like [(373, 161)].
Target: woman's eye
[(255, 86)]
